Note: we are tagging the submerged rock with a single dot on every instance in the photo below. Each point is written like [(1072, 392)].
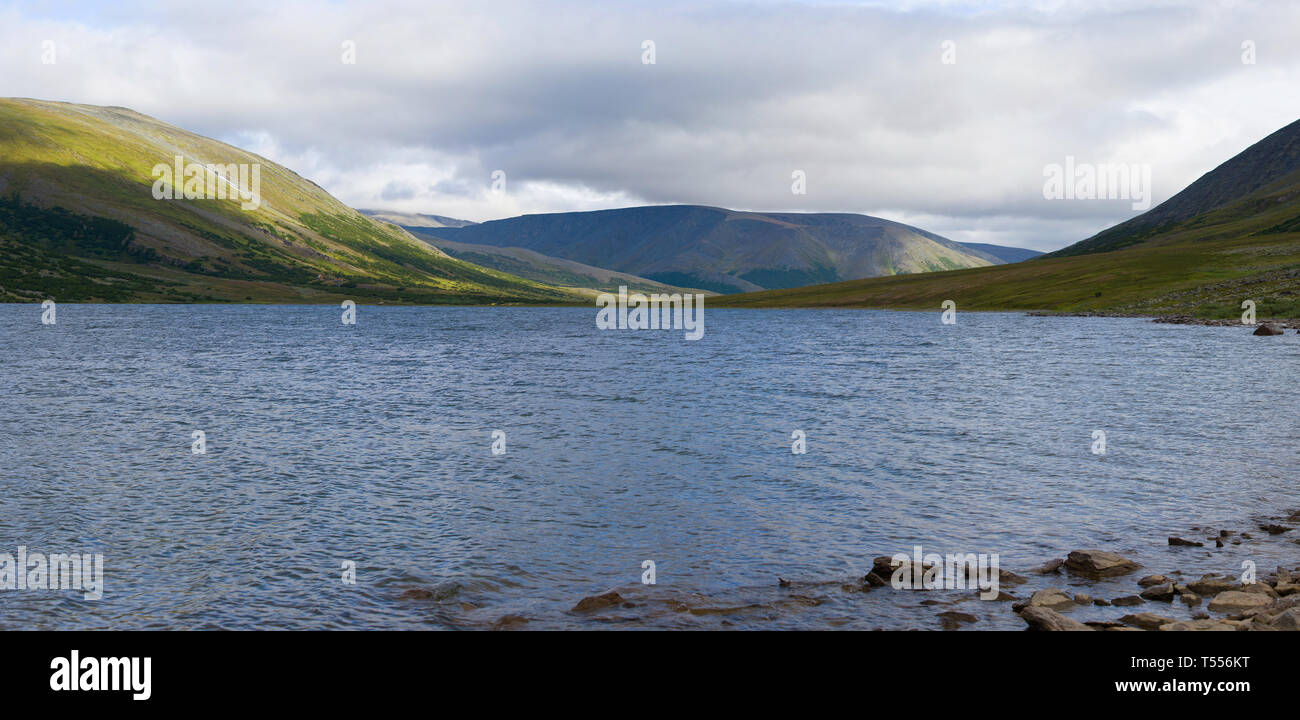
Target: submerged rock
[(1048, 567), (1268, 329), (952, 619), (506, 622), (1127, 600), (598, 602), (1188, 543), (1212, 585)]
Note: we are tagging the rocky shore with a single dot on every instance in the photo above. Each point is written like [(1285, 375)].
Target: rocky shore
[(1280, 323), (1094, 590)]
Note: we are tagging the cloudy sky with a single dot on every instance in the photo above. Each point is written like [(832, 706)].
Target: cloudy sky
[(557, 95)]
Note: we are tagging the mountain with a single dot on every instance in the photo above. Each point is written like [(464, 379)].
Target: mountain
[(1270, 162), (546, 269), (80, 221), (1003, 253), (722, 250), (419, 220), (1232, 235)]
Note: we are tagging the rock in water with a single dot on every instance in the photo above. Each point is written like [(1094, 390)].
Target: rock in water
[(1051, 598), (1230, 600), (597, 602), (1159, 592), (1041, 618), (1147, 621), (1098, 563), (1187, 543), (1268, 329), (952, 619), (1050, 566)]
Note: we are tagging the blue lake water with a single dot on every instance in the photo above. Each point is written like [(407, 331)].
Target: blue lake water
[(372, 443)]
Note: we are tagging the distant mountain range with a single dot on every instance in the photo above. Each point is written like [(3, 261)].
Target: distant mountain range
[(79, 221), (716, 249), (1233, 235)]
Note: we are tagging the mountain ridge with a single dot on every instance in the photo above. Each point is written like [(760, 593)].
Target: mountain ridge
[(725, 250), (81, 222)]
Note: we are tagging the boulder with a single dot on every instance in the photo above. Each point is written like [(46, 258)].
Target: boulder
[(1262, 589), (1127, 600), (1235, 600), (1043, 618), (1187, 543), (1150, 580), (1286, 620), (1098, 564), (1051, 598), (1146, 621), (1268, 329)]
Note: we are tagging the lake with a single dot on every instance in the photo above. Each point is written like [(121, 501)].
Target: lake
[(372, 444)]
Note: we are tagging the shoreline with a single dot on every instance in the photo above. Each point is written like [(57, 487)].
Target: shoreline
[(1284, 323)]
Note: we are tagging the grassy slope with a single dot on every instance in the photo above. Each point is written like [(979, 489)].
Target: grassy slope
[(1203, 266), (63, 165)]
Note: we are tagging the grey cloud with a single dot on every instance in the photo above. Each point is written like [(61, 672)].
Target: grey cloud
[(741, 95)]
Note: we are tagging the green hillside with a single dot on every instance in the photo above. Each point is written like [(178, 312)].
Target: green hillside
[(79, 222)]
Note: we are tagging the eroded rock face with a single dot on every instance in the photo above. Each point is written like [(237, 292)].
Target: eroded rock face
[(1235, 600), (1099, 564), (1043, 618)]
